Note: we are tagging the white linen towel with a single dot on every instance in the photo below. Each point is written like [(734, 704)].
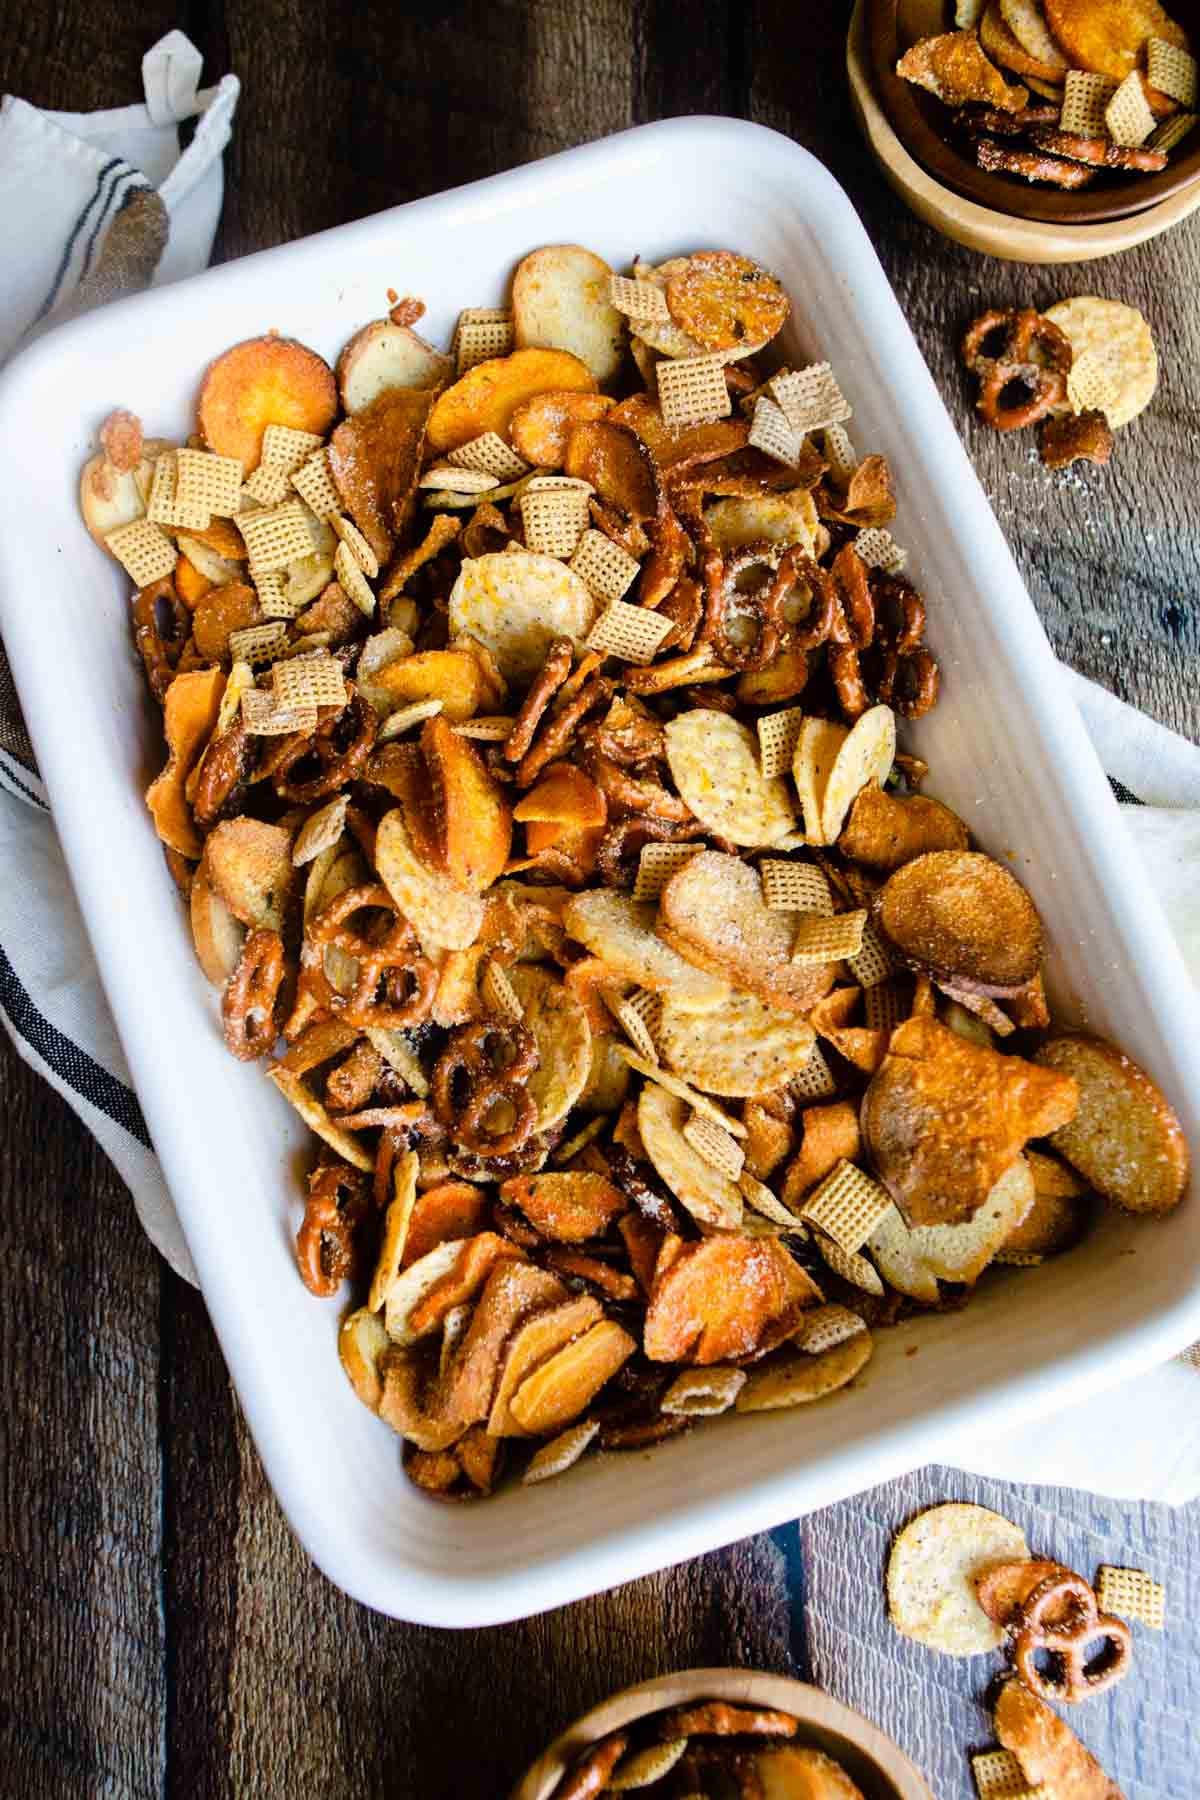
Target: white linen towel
[(117, 206)]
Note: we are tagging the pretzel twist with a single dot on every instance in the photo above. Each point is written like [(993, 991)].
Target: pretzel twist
[(341, 746), (392, 958), (493, 1063), (1067, 1639), (248, 1003), (326, 1250)]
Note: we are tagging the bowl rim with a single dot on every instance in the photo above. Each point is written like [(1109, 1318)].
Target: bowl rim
[(939, 156), (809, 1704)]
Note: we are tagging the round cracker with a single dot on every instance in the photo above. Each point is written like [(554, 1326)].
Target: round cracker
[(517, 606), (866, 755), (762, 519), (794, 1378), (1120, 336), (743, 1049), (438, 912), (707, 1194), (935, 1563), (726, 301), (563, 1038), (714, 763)]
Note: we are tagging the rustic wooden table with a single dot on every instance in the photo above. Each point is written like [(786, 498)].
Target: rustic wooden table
[(160, 1631)]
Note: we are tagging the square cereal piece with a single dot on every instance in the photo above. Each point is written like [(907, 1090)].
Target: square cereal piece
[(757, 1194), (356, 543), (143, 550), (1171, 131), (1127, 115), (499, 994), (275, 536), (320, 831), (489, 728), (270, 487), (811, 398), (1085, 97), (317, 680), (884, 1006), (164, 506), (778, 733), (345, 567), (489, 455), (554, 520), (607, 569), (283, 447), (561, 1453), (631, 632), (693, 391), (851, 1265), (719, 1150), (273, 600), (815, 1080), (703, 1393), (999, 1776), (547, 484), (828, 940), (314, 484), (1171, 70), (264, 718), (637, 1014), (840, 453), (656, 865), (258, 644), (879, 550), (204, 481), (1131, 1594), (638, 300), (795, 887), (771, 433), (482, 332), (1020, 1259), (847, 1206), (1091, 383), (873, 962), (827, 1326), (405, 717)]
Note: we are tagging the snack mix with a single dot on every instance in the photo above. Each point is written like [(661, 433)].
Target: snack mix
[(534, 792)]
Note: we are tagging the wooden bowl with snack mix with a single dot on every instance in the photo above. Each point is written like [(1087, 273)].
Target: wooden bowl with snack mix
[(1043, 109), (802, 1744)]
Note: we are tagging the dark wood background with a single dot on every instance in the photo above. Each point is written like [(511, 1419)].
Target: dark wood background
[(160, 1631)]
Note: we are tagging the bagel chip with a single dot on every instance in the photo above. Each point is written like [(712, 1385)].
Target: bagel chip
[(931, 1575), (714, 762)]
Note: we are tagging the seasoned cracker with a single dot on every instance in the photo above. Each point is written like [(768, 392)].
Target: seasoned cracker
[(317, 680), (638, 300), (1085, 98), (561, 1453), (777, 736), (999, 1776), (743, 1048), (815, 1080), (693, 391), (352, 579), (847, 1206), (356, 543), (143, 550), (481, 333), (1171, 70), (703, 1393), (795, 887), (208, 482), (608, 570), (320, 830), (714, 763), (715, 1145), (1131, 1594), (931, 1576), (771, 433), (630, 632), (499, 995), (555, 520), (820, 940), (275, 536), (1127, 115), (707, 1194), (405, 717), (314, 484), (656, 865), (680, 1089), (811, 398), (258, 644), (879, 550), (488, 454), (1120, 337)]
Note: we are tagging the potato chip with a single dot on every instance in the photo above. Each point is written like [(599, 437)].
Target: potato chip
[(702, 1190), (738, 521), (437, 910), (744, 1048), (630, 632), (1124, 1135), (561, 1453), (693, 391), (778, 734), (399, 1213), (1127, 115), (143, 550), (817, 748), (406, 717), (961, 917), (715, 1145), (932, 1571), (320, 830), (713, 760), (810, 398), (517, 606), (1120, 337), (794, 1378), (1131, 1594), (712, 911), (682, 1090), (847, 1206), (560, 1388), (865, 756), (621, 932), (563, 1037), (315, 1116), (703, 1393), (608, 571)]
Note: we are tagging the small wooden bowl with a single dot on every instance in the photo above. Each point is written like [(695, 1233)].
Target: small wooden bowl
[(921, 121), (981, 227), (879, 1767)]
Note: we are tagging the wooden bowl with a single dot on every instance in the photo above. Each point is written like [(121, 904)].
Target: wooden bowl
[(980, 227), (878, 1765), (920, 121)]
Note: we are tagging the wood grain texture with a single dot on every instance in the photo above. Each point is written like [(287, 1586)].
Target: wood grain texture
[(166, 1633)]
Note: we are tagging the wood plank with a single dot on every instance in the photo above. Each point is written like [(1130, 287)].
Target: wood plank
[(81, 1633)]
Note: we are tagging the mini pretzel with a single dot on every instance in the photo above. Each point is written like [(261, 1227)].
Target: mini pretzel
[(633, 793), (248, 1003), (394, 959), (560, 729), (494, 1062), (227, 762), (1025, 333), (851, 630), (341, 746), (553, 673), (1068, 1640), (325, 1250), (909, 677), (765, 606), (1032, 165), (161, 628)]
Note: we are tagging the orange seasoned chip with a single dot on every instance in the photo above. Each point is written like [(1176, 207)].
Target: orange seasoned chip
[(570, 1205), (720, 1297), (264, 381), (564, 795), (726, 302), (693, 391)]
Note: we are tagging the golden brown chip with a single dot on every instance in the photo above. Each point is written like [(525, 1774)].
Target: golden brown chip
[(471, 819), (189, 717), (249, 863), (788, 1771), (614, 460), (539, 1338), (831, 1135), (541, 427), (955, 69), (512, 1292), (943, 1119), (960, 916), (560, 1388), (374, 457), (487, 396), (1125, 1136), (264, 381), (885, 831), (720, 1298), (1108, 36), (726, 301), (1048, 1751), (569, 1206)]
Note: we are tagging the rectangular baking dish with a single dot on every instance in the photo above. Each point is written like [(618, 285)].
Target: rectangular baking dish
[(1007, 750)]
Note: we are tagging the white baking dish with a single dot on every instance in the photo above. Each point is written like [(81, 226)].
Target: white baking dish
[(1007, 749)]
